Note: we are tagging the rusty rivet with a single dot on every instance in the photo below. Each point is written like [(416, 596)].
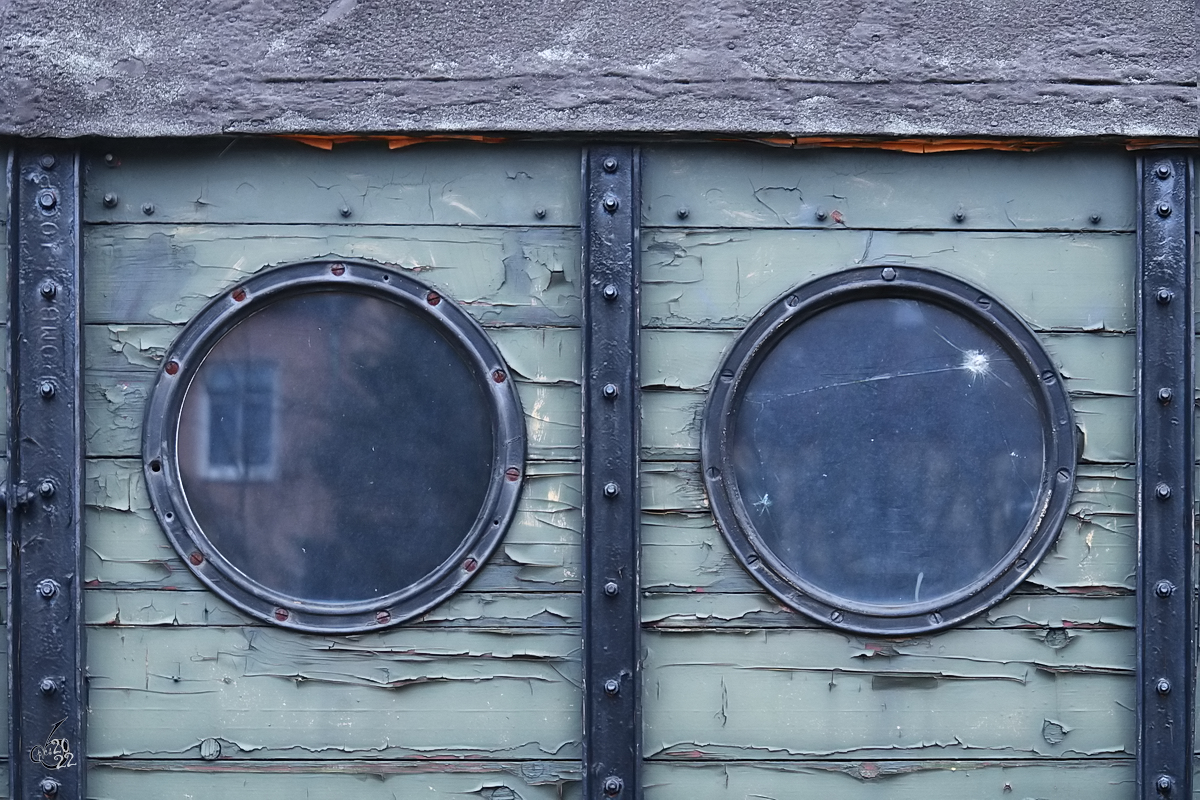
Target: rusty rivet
[(46, 488), (281, 614), (610, 391), (611, 203), (610, 291), (383, 617), (46, 389), (1163, 686), (47, 588), (611, 489), (612, 686), (888, 274), (148, 209), (433, 298), (611, 589), (172, 367), (1164, 588), (197, 558), (539, 212), (470, 564), (239, 295), (1164, 395), (498, 375), (610, 164), (1164, 210), (338, 269), (110, 200), (1163, 172), (1162, 491), (1164, 784), (512, 473), (47, 199), (49, 787), (48, 686), (683, 212), (345, 211), (48, 289), (613, 785), (1164, 296)]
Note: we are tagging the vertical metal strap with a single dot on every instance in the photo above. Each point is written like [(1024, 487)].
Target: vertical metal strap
[(1166, 644), (612, 751), (44, 490)]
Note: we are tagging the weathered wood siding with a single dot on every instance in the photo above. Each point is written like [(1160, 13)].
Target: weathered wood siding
[(479, 697), (744, 698)]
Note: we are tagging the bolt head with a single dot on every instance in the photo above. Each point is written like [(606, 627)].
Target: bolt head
[(1163, 686), (148, 209), (540, 213), (610, 391), (683, 213), (1164, 588), (46, 488), (612, 686), (48, 686), (835, 616), (47, 199), (345, 211), (960, 216), (888, 274), (1164, 784), (1164, 210), (611, 489), (611, 203), (1164, 296), (1162, 491), (110, 159), (1164, 395), (613, 785), (822, 215), (47, 161), (610, 164), (611, 589), (1163, 172), (48, 289), (47, 588), (49, 787), (1095, 219), (610, 291), (46, 389), (110, 200)]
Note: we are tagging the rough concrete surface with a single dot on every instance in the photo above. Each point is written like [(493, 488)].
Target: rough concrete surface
[(862, 67)]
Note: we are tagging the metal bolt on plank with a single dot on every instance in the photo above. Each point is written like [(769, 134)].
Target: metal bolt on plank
[(1165, 457), (612, 752), (45, 506)]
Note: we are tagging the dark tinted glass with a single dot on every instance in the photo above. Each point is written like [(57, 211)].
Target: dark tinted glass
[(888, 451), (335, 446)]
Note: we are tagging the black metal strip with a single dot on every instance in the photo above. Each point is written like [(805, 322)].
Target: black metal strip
[(43, 494), (612, 751), (1166, 642)]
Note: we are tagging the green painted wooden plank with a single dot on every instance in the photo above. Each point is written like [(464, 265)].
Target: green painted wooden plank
[(269, 694), (682, 550), (362, 780), (467, 609), (754, 186), (723, 278), (685, 358), (166, 273), (1051, 613), (126, 548), (820, 693), (1061, 779), (121, 363), (672, 420), (263, 180)]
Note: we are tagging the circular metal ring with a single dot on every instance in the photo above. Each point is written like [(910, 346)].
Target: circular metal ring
[(1050, 457), (337, 277)]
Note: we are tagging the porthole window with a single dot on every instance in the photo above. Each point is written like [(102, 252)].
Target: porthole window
[(889, 450), (334, 446)]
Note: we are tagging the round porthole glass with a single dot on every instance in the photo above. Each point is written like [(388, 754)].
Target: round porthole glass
[(889, 450), (334, 446)]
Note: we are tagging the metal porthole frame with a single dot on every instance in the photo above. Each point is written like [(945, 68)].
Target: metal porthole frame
[(980, 308), (237, 303)]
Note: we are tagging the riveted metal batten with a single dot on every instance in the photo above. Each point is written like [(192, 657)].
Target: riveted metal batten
[(611, 621), (1166, 642), (44, 488)]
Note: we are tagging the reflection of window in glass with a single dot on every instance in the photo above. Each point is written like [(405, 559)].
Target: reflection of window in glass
[(240, 420)]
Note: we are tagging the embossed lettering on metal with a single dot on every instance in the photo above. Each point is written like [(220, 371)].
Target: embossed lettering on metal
[(330, 450), (889, 450)]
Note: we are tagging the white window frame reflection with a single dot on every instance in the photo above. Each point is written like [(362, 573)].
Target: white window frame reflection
[(267, 373)]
